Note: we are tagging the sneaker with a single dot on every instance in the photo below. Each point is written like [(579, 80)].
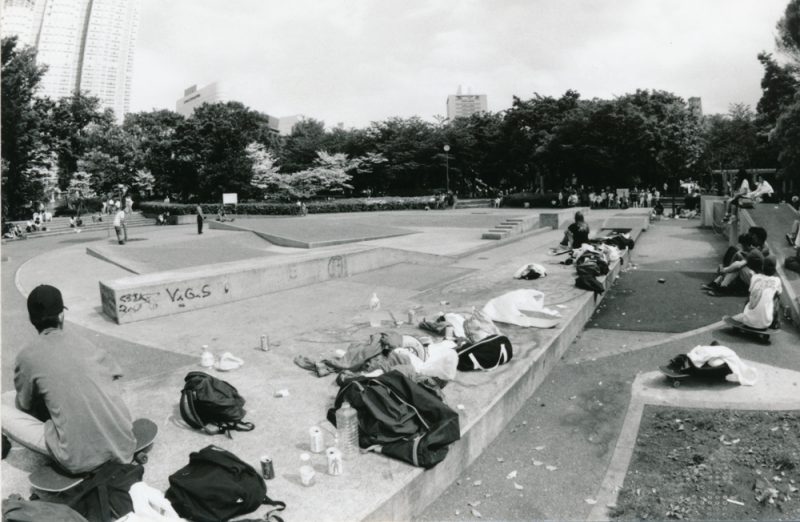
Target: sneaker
[(710, 286), (790, 239), (726, 219)]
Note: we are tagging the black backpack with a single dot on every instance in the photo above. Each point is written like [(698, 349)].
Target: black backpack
[(208, 400), (402, 418), (217, 485), (103, 495), (486, 354)]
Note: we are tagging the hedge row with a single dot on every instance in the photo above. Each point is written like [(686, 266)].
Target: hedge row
[(153, 208)]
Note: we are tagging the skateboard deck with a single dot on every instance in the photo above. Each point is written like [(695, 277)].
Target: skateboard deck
[(743, 328), (53, 479), (674, 377)]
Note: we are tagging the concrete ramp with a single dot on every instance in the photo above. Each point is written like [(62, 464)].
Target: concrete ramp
[(145, 296)]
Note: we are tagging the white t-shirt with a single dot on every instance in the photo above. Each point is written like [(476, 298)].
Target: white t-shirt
[(762, 189), (119, 218), (760, 307)]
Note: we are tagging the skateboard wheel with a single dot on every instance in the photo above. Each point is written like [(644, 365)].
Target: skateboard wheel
[(676, 384), (140, 458)]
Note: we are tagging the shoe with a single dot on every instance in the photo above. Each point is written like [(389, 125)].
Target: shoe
[(726, 219), (790, 239), (709, 286)]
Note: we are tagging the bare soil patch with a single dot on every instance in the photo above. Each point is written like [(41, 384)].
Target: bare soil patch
[(713, 464)]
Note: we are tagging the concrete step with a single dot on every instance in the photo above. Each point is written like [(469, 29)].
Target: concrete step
[(507, 226), (91, 227), (474, 203)]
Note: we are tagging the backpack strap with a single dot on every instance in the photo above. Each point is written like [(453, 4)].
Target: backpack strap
[(271, 514)]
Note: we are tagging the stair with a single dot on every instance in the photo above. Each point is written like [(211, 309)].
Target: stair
[(60, 225), (511, 226)]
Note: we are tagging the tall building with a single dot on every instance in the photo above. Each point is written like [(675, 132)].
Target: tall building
[(464, 105), (193, 98), (87, 45), (696, 106)]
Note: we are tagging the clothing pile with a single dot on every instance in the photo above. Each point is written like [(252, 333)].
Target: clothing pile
[(530, 271), (591, 262), (524, 307)]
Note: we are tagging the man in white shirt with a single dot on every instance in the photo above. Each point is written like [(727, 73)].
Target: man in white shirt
[(120, 227), (763, 188), (760, 309)]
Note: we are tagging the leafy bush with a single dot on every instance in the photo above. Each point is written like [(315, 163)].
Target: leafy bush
[(519, 199), (90, 205), (271, 208)]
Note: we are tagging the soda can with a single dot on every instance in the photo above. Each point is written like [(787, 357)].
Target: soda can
[(334, 461), (267, 471), (317, 442), (412, 319), (448, 332), (264, 343)]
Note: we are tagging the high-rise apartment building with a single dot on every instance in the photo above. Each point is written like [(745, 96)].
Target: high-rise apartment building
[(87, 45), (464, 105), (696, 106)]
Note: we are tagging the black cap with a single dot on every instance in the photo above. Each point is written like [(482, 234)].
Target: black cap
[(45, 301)]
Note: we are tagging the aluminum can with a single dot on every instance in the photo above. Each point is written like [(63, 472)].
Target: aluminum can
[(412, 317), (335, 466), (316, 440), (264, 343), (448, 332), (267, 471)]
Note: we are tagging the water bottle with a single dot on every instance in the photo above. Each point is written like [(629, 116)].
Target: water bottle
[(374, 311), (206, 358), (347, 430), (306, 470)]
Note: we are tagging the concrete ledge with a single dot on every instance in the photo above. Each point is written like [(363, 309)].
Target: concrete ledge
[(184, 219), (478, 432), (560, 218), (712, 208), (159, 294), (296, 243)]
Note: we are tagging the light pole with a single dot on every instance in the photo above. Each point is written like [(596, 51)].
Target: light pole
[(447, 167)]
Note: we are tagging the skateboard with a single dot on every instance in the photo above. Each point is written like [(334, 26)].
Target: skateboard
[(53, 479), (681, 368), (743, 328)]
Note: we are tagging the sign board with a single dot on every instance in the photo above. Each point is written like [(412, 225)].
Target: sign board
[(230, 198), (623, 193)]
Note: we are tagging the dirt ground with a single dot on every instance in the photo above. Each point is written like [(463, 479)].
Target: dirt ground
[(714, 464)]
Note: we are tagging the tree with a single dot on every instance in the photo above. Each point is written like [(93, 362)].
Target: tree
[(778, 86), (787, 138), (159, 141), (216, 138), (328, 175), (23, 136), (265, 171), (788, 37), (300, 148)]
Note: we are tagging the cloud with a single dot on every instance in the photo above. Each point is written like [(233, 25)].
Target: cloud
[(356, 61)]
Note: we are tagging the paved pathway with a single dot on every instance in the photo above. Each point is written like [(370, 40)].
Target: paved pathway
[(575, 419)]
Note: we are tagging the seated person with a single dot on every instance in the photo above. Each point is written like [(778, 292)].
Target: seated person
[(744, 189), (760, 310), (762, 191), (577, 233), (221, 214), (72, 222), (37, 221), (67, 404), (739, 273), (759, 235)]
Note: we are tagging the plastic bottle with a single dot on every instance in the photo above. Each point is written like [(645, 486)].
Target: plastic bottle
[(306, 470), (206, 358), (347, 430), (374, 311)]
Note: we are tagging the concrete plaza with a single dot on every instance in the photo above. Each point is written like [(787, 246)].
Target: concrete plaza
[(445, 265)]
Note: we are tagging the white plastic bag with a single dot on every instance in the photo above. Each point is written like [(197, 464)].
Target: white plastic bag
[(510, 307)]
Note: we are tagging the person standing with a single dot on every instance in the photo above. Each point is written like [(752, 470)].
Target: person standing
[(120, 227), (68, 404), (128, 204), (200, 218)]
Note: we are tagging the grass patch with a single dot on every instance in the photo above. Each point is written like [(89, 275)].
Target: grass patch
[(713, 464)]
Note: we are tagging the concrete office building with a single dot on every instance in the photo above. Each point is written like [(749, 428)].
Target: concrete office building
[(194, 98), (464, 105), (87, 45)]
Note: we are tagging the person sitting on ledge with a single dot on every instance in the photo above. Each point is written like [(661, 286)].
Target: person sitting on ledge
[(577, 233), (760, 310), (736, 274), (67, 404), (763, 190)]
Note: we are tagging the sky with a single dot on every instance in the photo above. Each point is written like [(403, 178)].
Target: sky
[(358, 61)]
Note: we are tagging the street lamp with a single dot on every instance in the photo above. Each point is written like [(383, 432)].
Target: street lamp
[(447, 167)]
